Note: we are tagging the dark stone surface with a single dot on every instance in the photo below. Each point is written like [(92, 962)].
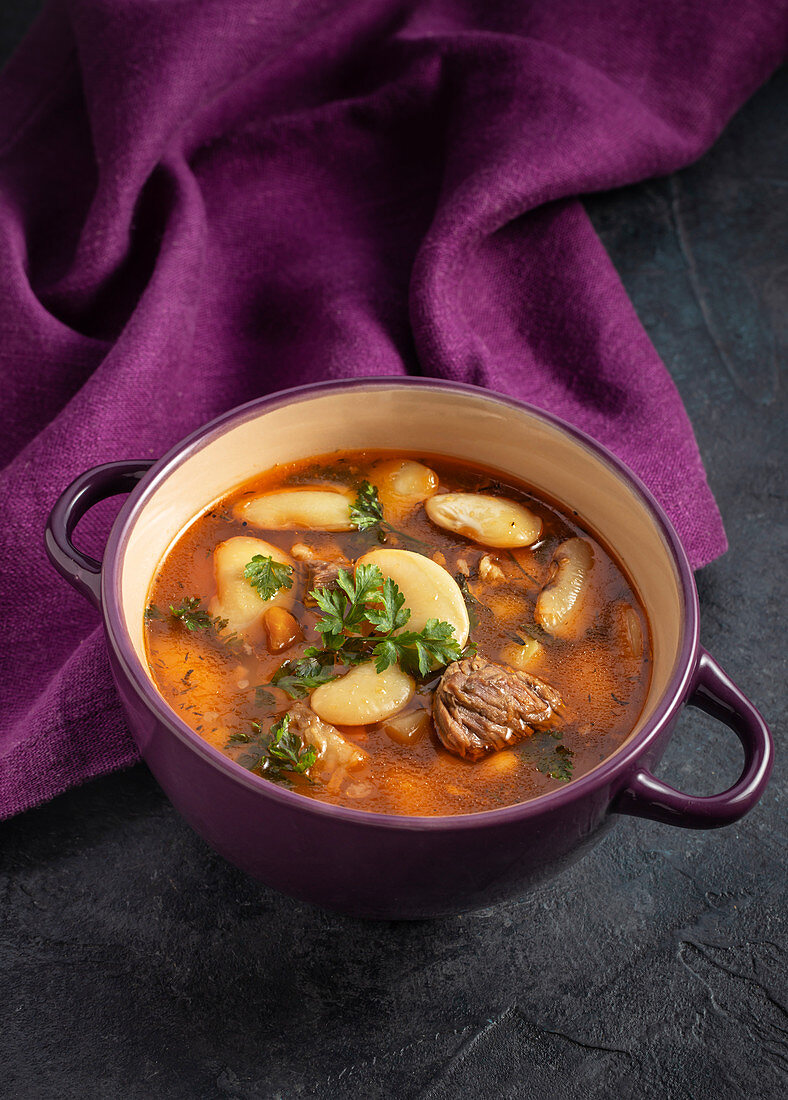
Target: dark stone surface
[(136, 963)]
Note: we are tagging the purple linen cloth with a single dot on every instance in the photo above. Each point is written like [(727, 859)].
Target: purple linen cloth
[(202, 202)]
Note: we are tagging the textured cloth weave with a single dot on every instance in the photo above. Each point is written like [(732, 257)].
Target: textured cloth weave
[(202, 201)]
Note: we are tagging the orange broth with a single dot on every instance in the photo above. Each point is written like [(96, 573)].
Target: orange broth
[(220, 687)]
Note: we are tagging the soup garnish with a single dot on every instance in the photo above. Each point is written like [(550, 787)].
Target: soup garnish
[(403, 634)]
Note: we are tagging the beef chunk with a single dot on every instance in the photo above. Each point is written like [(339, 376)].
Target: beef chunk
[(480, 707), (322, 574)]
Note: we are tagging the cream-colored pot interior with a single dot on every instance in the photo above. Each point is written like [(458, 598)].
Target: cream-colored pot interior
[(461, 424)]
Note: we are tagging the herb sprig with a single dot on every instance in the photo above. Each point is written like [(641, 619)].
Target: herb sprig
[(363, 619), (268, 576), (366, 514), (298, 677), (366, 510), (281, 754), (191, 613)]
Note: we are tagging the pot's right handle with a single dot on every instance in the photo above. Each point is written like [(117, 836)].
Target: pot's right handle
[(717, 695), (81, 571)]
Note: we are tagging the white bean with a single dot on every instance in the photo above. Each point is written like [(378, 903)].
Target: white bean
[(492, 521), (403, 483), (630, 630), (363, 695), (560, 603), (292, 509), (236, 600), (430, 591)]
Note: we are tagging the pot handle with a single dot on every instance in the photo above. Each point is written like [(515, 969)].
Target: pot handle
[(80, 570), (717, 695)]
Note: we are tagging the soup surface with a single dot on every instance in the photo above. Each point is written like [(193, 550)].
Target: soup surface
[(402, 634)]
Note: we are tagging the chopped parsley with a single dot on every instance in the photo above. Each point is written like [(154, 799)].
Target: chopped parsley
[(558, 764), (194, 616), (298, 677), (263, 697), (367, 600), (533, 631), (279, 754), (268, 576)]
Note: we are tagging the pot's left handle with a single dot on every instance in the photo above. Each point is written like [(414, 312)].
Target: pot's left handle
[(81, 571)]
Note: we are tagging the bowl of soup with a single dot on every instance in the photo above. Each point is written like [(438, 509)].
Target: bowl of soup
[(402, 648)]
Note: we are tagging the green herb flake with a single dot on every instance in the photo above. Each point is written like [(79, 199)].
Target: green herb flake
[(558, 764), (533, 631), (366, 514), (263, 697)]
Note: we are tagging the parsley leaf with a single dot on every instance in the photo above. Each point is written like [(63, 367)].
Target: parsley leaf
[(419, 652), (299, 677), (268, 576), (366, 511), (344, 609), (195, 617), (285, 751), (393, 614), (366, 514)]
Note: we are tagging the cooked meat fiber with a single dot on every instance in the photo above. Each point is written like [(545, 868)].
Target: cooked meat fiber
[(480, 707), (322, 574), (333, 750)]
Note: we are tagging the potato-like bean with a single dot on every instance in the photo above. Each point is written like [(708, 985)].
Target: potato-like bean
[(236, 600), (408, 729), (295, 509), (363, 695), (522, 656), (560, 603), (430, 591), (492, 521)]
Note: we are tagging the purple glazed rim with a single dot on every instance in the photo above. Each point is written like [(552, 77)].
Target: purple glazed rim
[(613, 772)]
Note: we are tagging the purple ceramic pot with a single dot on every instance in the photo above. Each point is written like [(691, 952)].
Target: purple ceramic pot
[(368, 864)]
